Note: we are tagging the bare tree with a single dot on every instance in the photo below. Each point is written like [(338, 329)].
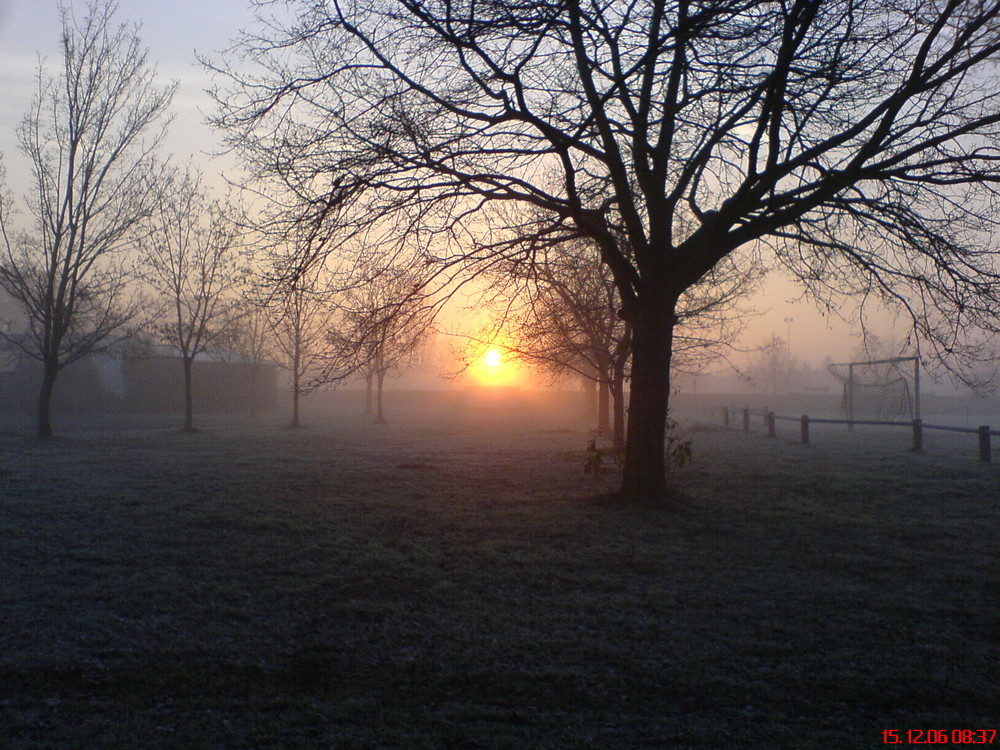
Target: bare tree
[(568, 319), (193, 259), (854, 140), (562, 316), (89, 139), (383, 321), (300, 314), (772, 366), (246, 337)]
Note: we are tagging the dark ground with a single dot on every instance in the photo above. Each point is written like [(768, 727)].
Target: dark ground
[(451, 580)]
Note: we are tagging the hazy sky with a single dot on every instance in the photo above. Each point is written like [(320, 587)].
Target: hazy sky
[(174, 30)]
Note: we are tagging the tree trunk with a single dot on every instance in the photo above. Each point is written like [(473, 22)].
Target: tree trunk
[(617, 386), (590, 396), (296, 379), (188, 398), (368, 393), (253, 390), (379, 419), (295, 403), (622, 350), (643, 477), (603, 406), (51, 370)]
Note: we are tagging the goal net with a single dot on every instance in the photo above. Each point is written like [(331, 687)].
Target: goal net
[(884, 389)]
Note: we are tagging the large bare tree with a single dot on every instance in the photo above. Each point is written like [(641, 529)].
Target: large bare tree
[(854, 140), (89, 138)]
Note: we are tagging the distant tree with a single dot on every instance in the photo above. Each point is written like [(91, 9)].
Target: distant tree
[(89, 139), (300, 314), (564, 318), (384, 318), (193, 260), (773, 367), (855, 140), (246, 337), (568, 319)]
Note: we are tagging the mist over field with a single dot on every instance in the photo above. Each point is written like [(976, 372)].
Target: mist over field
[(454, 579)]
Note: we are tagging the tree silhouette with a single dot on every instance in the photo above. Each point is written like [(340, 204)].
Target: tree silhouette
[(193, 260), (384, 317), (89, 139), (854, 141), (301, 314)]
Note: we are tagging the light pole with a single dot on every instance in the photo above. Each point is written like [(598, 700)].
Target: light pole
[(788, 351)]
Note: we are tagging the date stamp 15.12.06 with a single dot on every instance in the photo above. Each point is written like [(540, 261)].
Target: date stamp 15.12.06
[(938, 736)]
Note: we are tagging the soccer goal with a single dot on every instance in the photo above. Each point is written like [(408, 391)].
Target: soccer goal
[(880, 389)]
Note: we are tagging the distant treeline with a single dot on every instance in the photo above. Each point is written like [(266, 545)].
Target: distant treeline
[(97, 385)]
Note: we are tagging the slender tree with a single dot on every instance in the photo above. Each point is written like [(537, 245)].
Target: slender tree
[(193, 260), (89, 137), (567, 319), (300, 314), (856, 141), (772, 367), (246, 337), (564, 318), (383, 321)]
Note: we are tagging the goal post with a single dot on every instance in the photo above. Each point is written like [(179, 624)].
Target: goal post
[(887, 387)]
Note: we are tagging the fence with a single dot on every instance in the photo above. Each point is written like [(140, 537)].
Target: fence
[(984, 432)]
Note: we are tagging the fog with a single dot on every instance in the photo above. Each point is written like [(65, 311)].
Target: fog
[(802, 338), (148, 390), (173, 33)]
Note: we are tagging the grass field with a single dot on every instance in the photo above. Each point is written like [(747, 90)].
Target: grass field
[(455, 581)]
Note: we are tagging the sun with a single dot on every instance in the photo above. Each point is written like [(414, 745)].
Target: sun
[(494, 369)]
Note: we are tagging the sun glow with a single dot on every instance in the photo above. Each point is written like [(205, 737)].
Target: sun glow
[(494, 369)]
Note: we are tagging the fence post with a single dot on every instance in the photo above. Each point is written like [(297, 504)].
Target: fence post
[(746, 419), (770, 423), (984, 443), (725, 417), (849, 393), (805, 429), (918, 436)]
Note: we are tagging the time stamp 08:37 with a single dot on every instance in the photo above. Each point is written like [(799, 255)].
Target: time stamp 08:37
[(938, 736)]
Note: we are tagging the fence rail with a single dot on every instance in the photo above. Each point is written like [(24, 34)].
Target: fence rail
[(917, 426)]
